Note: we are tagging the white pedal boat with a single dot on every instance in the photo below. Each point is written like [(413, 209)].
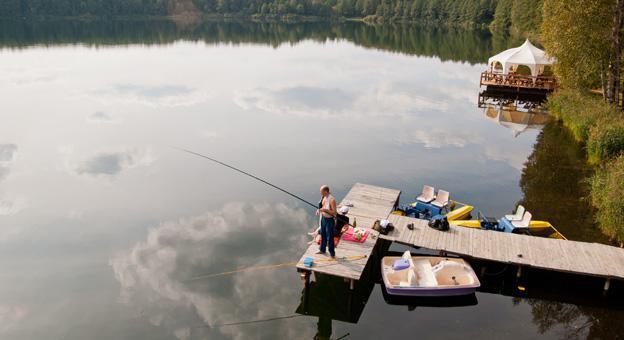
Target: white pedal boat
[(428, 276)]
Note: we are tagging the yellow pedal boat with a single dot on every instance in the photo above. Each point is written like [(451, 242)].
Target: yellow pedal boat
[(536, 228)]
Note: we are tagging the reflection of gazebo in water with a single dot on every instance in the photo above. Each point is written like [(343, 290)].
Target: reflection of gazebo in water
[(521, 68), (516, 111), (518, 121)]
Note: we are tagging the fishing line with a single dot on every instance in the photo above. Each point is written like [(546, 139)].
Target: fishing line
[(275, 266), (292, 316), (247, 174)]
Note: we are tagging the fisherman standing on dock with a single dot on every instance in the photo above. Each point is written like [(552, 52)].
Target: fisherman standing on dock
[(327, 210)]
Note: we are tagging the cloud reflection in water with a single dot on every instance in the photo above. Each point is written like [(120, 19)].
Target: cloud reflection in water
[(154, 275), (301, 100), (8, 153), (153, 95), (100, 117), (112, 163), (438, 138)]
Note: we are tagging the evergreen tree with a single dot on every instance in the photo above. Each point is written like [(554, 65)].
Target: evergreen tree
[(502, 16)]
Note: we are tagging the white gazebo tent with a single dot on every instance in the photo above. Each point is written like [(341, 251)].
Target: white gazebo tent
[(527, 54)]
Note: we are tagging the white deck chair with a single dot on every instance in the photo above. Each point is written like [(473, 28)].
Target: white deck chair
[(442, 199), (517, 216), (524, 222), (427, 194)]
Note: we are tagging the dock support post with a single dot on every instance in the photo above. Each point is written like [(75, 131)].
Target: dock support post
[(606, 286), (305, 276), (519, 272), (351, 284), (306, 292), (349, 303)]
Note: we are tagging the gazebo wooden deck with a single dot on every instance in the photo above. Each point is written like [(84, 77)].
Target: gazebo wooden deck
[(518, 81)]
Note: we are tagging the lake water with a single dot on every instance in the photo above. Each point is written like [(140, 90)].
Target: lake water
[(104, 224)]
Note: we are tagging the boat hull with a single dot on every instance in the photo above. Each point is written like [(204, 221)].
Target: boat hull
[(464, 279), (459, 213), (430, 292)]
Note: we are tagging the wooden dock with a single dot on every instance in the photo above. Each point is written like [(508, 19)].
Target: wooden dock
[(566, 256), (366, 203), (369, 203)]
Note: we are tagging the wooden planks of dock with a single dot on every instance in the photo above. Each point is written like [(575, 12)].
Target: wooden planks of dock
[(367, 203), (522, 250)]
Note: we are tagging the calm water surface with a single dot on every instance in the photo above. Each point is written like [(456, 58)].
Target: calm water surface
[(103, 225)]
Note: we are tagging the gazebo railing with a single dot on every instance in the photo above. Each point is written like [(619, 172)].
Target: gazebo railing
[(490, 78)]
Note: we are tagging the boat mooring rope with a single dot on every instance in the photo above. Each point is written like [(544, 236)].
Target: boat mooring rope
[(460, 203), (328, 262)]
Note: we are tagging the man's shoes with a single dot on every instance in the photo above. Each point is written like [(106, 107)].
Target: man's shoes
[(320, 252)]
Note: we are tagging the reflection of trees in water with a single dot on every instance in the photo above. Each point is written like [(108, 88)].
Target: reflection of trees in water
[(553, 183), (445, 43), (554, 187), (577, 322)]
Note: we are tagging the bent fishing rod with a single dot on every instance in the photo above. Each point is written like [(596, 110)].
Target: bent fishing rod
[(248, 174)]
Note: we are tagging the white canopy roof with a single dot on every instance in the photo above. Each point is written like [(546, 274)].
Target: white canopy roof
[(526, 54)]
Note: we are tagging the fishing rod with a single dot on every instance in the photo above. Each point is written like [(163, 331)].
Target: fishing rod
[(248, 174)]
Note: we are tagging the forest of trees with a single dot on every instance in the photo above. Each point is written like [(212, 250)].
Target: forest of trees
[(586, 41), (74, 8), (446, 43), (519, 15)]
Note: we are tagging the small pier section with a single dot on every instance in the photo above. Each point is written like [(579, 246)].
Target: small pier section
[(566, 256), (366, 203)]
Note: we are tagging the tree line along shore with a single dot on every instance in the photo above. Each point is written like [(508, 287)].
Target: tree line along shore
[(501, 15)]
